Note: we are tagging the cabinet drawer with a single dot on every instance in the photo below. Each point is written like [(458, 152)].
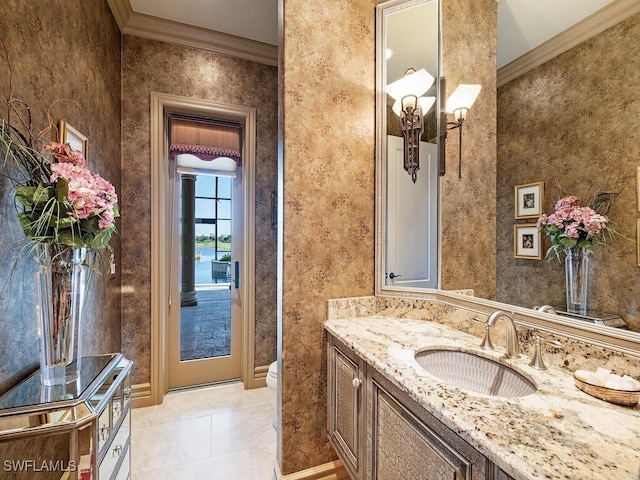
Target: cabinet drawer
[(125, 466), (116, 449), (117, 405), (104, 429), (121, 398)]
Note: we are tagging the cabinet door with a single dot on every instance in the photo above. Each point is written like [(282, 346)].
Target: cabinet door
[(405, 448), (499, 474), (345, 407)]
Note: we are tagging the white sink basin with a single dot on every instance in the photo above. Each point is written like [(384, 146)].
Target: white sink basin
[(475, 373)]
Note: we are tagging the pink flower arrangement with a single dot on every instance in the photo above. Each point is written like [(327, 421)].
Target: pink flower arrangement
[(88, 192), (572, 225), (59, 199)]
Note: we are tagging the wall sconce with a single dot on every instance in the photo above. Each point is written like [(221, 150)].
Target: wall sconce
[(410, 106), (459, 104)]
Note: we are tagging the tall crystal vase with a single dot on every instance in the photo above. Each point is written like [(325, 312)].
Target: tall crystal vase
[(60, 290), (576, 266)]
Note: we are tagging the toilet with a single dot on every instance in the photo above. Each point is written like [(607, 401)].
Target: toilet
[(272, 383), (272, 376)]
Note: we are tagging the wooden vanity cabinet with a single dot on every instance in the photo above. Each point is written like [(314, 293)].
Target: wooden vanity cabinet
[(499, 474), (405, 441), (346, 395), (380, 433)]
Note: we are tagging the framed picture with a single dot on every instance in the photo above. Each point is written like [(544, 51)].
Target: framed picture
[(529, 198), (76, 140), (527, 241)]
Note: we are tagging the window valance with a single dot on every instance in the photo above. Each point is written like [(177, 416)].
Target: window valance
[(205, 140)]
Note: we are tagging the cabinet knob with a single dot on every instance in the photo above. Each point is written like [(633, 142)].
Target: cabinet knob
[(356, 383), (117, 450)]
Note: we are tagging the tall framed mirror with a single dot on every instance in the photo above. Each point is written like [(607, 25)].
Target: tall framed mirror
[(407, 126)]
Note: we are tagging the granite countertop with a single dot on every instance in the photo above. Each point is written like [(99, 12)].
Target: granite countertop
[(559, 432)]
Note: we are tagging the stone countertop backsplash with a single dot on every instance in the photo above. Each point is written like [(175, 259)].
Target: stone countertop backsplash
[(559, 432)]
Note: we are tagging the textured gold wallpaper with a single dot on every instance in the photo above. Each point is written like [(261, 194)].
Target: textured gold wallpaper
[(150, 66), (59, 49), (468, 233), (329, 110), (573, 122), (329, 186)]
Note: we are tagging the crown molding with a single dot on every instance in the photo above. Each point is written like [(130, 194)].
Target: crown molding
[(121, 10), (596, 23), (154, 28)]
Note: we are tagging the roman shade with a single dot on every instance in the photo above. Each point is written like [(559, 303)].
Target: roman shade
[(205, 140)]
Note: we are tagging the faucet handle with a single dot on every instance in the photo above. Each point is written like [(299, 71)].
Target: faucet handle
[(536, 360), (546, 309), (486, 341)]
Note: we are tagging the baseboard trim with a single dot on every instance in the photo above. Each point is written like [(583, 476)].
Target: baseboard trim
[(258, 378), (328, 471), (141, 395), (141, 392), (260, 373)]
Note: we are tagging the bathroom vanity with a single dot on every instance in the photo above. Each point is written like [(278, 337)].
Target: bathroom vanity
[(77, 431), (389, 418)]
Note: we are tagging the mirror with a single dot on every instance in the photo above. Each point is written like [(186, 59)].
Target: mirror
[(548, 277), (577, 142), (409, 42)]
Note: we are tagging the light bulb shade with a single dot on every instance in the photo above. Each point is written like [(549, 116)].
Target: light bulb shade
[(415, 83), (425, 105), (463, 98)]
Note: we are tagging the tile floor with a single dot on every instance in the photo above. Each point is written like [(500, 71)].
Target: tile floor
[(217, 432)]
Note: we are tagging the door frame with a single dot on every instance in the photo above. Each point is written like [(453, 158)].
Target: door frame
[(161, 105)]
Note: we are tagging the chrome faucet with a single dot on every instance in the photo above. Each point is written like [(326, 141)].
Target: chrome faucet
[(513, 346)]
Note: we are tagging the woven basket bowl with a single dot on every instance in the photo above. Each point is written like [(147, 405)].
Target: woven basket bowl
[(619, 397)]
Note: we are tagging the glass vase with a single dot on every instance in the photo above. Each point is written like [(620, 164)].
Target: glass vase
[(576, 266), (60, 290)]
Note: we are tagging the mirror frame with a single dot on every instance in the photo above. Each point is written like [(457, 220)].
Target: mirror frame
[(622, 341), (381, 142)]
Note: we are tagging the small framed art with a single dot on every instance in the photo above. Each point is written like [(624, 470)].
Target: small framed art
[(527, 241), (528, 200), (76, 140)]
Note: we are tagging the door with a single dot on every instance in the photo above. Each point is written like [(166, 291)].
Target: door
[(205, 314), (412, 222)]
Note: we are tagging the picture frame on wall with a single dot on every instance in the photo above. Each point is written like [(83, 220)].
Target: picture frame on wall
[(527, 241), (528, 200), (76, 140)]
